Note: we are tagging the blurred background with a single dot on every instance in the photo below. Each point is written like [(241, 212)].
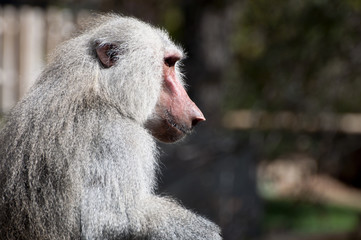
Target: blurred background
[(279, 82)]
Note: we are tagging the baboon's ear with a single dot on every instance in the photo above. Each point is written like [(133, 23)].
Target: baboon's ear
[(107, 53)]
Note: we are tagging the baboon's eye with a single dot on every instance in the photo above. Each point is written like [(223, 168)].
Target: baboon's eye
[(171, 60)]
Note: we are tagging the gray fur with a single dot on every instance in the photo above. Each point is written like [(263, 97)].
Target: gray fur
[(75, 159)]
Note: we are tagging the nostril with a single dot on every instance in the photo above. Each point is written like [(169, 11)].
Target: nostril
[(197, 120)]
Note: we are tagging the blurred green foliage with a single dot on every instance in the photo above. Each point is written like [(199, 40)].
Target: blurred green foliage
[(297, 55), (173, 20), (300, 217)]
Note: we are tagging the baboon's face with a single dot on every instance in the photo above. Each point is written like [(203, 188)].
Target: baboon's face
[(175, 113)]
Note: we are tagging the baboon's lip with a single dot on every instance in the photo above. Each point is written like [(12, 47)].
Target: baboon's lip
[(179, 127)]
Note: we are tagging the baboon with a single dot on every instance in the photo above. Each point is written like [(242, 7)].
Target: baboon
[(78, 153)]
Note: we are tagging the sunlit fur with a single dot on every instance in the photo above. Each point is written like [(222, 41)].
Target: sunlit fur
[(75, 159)]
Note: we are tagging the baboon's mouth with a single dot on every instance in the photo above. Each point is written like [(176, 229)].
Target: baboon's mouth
[(173, 124), (180, 128)]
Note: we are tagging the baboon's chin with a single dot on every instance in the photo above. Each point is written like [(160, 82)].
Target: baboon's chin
[(166, 130)]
